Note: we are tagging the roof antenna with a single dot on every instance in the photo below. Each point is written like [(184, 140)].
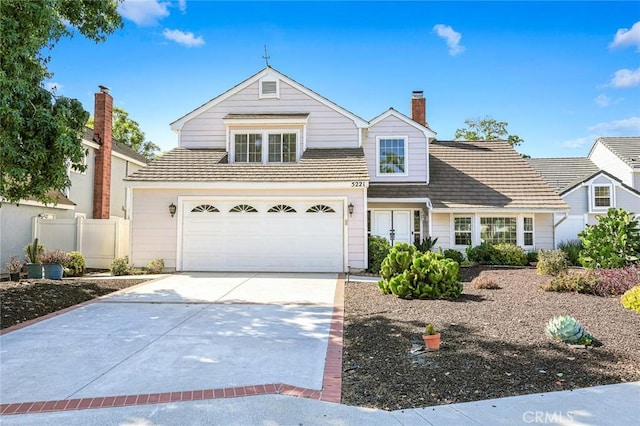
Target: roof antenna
[(266, 57)]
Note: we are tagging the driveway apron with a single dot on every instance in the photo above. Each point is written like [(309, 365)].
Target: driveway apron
[(180, 333)]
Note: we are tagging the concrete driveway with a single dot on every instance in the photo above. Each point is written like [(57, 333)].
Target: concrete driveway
[(185, 332)]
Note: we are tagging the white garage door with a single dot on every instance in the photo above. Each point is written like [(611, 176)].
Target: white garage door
[(263, 235)]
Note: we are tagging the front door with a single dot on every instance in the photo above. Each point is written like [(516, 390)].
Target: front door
[(394, 225)]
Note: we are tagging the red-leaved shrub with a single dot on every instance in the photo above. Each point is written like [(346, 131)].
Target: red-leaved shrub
[(614, 282)]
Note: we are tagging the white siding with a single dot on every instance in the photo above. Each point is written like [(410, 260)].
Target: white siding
[(441, 229), (81, 191), (154, 231), (611, 163), (627, 200), (120, 169), (578, 200), (417, 150), (326, 128), (636, 181), (543, 231)]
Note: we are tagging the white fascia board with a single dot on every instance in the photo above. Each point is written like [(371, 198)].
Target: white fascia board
[(91, 144), (428, 133), (508, 212), (359, 122), (398, 200), (39, 204), (127, 158), (243, 185), (265, 121)]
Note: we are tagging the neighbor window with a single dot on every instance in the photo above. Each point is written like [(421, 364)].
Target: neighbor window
[(528, 231), (462, 230), (602, 196), (392, 157), (498, 230), (282, 148), (248, 148)]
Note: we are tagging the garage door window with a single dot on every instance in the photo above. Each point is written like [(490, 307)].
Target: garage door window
[(282, 208), (243, 208), (202, 208), (320, 208)]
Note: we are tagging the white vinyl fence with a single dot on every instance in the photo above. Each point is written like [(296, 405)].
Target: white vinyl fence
[(99, 240)]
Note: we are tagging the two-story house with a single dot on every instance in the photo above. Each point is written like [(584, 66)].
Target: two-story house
[(609, 177), (271, 176)]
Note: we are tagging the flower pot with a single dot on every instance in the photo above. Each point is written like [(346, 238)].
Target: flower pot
[(34, 270), (431, 341), (14, 276), (52, 271)]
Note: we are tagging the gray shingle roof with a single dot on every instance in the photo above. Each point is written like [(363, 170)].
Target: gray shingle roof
[(627, 148), (486, 174), (393, 190), (206, 165), (118, 147), (564, 173)]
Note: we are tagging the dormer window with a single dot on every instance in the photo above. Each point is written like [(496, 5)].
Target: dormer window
[(269, 89), (602, 197), (280, 146)]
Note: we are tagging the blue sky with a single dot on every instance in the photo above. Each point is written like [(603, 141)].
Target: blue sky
[(561, 74)]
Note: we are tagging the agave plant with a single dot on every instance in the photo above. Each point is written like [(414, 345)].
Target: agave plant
[(566, 329)]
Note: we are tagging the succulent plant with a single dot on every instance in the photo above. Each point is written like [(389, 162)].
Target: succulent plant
[(566, 329)]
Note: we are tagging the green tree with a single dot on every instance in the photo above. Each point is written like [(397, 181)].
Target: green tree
[(487, 129), (612, 243), (128, 132), (40, 133)]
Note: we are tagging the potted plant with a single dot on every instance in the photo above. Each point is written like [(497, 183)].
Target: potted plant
[(32, 253), (431, 338), (53, 262), (14, 266)]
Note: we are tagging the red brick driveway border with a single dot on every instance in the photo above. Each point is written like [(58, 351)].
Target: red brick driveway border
[(330, 392)]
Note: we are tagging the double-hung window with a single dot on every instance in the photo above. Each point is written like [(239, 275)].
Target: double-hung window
[(528, 231), (248, 147), (392, 156), (602, 197), (282, 148), (462, 231)]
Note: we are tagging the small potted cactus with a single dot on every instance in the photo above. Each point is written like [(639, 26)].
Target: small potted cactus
[(431, 338), (32, 252)]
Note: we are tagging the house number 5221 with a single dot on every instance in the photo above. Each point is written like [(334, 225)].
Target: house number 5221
[(354, 184)]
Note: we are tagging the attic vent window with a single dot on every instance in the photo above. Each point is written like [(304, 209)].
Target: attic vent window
[(269, 89)]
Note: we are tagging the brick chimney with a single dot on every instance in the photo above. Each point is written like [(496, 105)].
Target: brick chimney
[(419, 107), (103, 116)]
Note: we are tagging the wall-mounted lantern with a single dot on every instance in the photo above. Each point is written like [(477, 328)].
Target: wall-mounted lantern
[(172, 209), (350, 207)]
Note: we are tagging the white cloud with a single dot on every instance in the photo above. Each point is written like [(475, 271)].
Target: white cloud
[(182, 5), (627, 126), (53, 87), (186, 39), (627, 37), (602, 101), (578, 143), (451, 37), (144, 12), (626, 78)]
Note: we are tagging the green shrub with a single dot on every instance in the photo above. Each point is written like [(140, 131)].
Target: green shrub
[(397, 261), (579, 282), (485, 282), (552, 262), (572, 248), (532, 256), (483, 253), (631, 299), (379, 248), (454, 255), (155, 266), (426, 245), (612, 243), (75, 266), (120, 266), (426, 276)]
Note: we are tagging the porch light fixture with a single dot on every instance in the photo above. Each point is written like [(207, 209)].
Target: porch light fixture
[(350, 207), (172, 209)]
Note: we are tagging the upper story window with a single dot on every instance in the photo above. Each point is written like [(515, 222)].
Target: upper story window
[(248, 147), (282, 148), (392, 156), (602, 197), (269, 88)]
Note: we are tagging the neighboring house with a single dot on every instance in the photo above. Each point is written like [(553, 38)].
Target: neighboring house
[(271, 176), (620, 157), (588, 190), (97, 193)]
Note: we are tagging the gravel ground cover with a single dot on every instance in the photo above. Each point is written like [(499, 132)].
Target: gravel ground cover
[(493, 343), (28, 299)]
